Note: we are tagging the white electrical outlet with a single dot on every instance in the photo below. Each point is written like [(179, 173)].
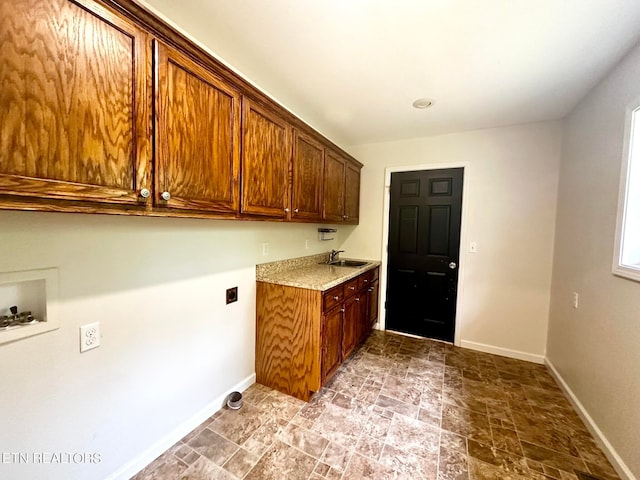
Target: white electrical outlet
[(306, 244), (265, 249), (89, 336), (575, 300)]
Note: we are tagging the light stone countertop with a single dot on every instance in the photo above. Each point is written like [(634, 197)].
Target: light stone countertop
[(312, 276)]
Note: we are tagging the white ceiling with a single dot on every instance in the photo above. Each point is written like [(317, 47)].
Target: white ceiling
[(352, 68)]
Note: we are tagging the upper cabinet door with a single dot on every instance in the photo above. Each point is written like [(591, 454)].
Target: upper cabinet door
[(197, 136), (352, 193), (74, 102), (266, 159), (308, 164), (334, 166)]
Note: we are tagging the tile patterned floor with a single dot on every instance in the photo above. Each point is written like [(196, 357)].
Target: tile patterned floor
[(399, 408)]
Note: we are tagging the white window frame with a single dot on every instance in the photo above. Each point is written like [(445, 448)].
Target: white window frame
[(626, 256)]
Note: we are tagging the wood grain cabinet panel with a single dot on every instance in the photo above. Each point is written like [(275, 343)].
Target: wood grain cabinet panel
[(74, 103), (197, 136), (341, 189), (266, 160), (351, 193), (334, 187), (352, 318), (307, 181), (288, 344), (331, 341)]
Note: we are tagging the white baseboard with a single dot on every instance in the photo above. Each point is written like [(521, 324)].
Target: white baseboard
[(617, 462), (153, 452), (503, 352)]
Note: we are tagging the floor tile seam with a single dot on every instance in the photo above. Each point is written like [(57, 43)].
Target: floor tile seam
[(268, 447)]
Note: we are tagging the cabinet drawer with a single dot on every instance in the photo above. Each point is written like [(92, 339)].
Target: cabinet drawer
[(332, 297), (365, 279), (350, 287)]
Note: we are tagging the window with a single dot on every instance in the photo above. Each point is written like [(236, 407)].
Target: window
[(626, 261)]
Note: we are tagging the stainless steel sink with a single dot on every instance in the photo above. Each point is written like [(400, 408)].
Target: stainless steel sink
[(349, 263)]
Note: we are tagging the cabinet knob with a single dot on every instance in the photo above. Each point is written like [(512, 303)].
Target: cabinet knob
[(366, 281), (344, 217), (166, 196), (342, 310), (145, 193), (357, 299), (370, 289), (352, 288), (336, 298), (286, 210), (295, 211)]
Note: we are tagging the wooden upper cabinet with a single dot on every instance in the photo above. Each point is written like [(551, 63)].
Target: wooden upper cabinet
[(351, 193), (266, 160), (334, 187), (308, 165), (74, 102), (197, 136)]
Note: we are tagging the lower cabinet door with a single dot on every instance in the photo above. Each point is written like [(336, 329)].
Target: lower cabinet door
[(350, 325), (331, 341), (373, 303)]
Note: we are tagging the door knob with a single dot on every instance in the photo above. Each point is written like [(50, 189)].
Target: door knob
[(452, 265), (166, 196)]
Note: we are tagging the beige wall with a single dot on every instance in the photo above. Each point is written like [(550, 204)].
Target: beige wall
[(596, 348), (511, 198), (170, 346)]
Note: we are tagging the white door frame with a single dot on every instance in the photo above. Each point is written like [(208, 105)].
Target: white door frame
[(463, 237)]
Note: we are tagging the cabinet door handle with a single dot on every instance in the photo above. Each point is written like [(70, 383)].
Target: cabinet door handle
[(166, 196), (342, 310), (336, 298), (357, 299), (366, 281), (145, 193), (352, 288), (370, 289), (286, 210), (295, 211)]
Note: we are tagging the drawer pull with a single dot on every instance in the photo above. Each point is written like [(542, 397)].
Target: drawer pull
[(366, 281), (352, 288), (336, 298), (357, 299), (342, 310)]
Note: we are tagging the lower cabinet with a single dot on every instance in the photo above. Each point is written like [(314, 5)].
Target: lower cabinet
[(331, 334), (303, 336)]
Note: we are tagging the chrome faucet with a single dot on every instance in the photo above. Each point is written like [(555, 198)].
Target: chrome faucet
[(334, 254)]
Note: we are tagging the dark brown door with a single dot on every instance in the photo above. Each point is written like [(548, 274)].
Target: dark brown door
[(331, 341), (424, 245), (266, 157), (74, 102), (197, 137), (308, 166), (334, 185)]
